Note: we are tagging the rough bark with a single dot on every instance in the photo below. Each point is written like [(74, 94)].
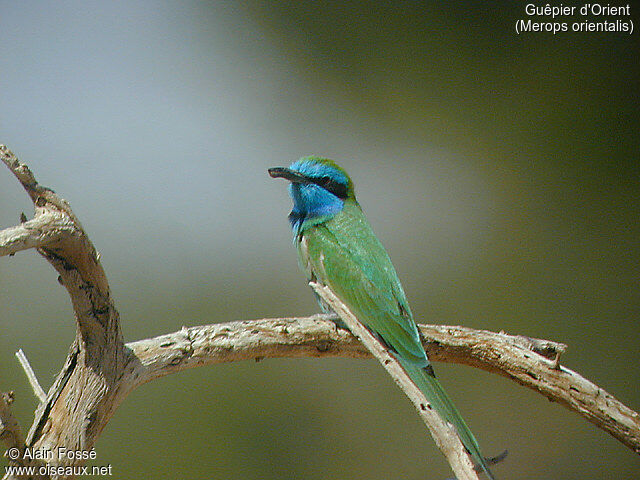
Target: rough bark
[(101, 370)]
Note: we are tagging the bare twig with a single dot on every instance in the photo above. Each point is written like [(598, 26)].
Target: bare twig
[(31, 376), (100, 370)]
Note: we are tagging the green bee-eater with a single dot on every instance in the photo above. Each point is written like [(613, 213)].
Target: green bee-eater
[(337, 248)]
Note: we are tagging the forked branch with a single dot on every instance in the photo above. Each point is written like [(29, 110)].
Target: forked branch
[(100, 370)]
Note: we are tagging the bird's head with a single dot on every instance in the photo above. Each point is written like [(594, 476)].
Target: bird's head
[(319, 188)]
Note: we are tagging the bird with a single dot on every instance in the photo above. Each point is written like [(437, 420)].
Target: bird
[(337, 247)]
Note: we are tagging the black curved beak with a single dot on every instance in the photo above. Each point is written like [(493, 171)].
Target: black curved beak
[(287, 174)]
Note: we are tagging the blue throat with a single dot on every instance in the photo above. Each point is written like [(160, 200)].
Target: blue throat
[(311, 205)]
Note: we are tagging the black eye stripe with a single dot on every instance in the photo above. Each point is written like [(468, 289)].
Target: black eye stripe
[(329, 184)]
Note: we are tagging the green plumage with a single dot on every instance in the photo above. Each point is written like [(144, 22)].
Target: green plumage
[(337, 248), (343, 253)]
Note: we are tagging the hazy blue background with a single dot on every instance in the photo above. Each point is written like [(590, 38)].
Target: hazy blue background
[(500, 171)]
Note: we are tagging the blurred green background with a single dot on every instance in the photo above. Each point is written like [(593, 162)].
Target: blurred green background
[(500, 171)]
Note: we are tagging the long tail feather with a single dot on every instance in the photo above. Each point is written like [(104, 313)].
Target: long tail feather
[(435, 394)]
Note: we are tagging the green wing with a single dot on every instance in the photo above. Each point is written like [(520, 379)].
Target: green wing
[(344, 254)]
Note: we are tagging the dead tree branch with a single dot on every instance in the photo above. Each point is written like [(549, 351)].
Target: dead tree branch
[(82, 398), (528, 361), (443, 433), (100, 370)]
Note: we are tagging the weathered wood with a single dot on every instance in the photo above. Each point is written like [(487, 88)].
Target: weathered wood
[(100, 370), (83, 397), (443, 433)]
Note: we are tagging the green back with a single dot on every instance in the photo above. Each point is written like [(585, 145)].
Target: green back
[(344, 254)]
